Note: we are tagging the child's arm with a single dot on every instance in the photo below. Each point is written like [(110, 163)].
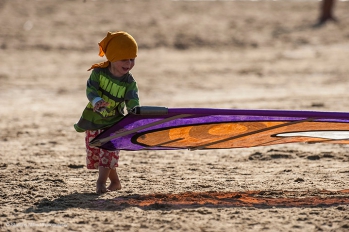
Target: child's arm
[(92, 87), (131, 97)]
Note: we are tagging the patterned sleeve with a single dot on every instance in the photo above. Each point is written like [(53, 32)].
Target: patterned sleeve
[(131, 96), (92, 86)]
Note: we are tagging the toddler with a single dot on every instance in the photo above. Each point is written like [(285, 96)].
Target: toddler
[(110, 89)]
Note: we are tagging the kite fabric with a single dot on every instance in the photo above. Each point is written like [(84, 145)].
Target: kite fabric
[(160, 128)]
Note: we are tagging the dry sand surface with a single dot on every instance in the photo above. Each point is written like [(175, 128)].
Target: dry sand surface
[(214, 54)]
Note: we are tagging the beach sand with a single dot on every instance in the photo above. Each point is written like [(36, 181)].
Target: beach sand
[(211, 54)]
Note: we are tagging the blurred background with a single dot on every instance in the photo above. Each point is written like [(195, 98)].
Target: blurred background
[(234, 54)]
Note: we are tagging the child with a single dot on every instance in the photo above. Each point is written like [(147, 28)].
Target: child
[(110, 89)]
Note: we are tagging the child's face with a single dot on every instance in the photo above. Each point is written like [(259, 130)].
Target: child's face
[(121, 67)]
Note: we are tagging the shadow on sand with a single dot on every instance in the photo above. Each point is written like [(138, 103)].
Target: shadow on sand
[(255, 199)]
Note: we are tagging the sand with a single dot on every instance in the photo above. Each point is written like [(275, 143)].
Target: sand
[(215, 54)]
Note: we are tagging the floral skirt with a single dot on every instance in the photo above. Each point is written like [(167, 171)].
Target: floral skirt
[(97, 157)]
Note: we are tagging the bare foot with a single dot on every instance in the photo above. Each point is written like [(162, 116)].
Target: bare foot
[(114, 181), (114, 186), (102, 180), (101, 188)]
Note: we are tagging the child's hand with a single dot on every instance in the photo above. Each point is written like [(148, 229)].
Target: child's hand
[(100, 106)]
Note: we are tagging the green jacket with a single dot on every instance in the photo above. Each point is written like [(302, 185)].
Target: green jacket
[(119, 92)]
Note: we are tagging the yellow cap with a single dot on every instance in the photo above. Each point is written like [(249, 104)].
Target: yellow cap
[(116, 46)]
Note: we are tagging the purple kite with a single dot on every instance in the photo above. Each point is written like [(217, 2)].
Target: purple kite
[(160, 128)]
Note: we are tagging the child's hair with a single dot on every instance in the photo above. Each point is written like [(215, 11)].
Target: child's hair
[(116, 46)]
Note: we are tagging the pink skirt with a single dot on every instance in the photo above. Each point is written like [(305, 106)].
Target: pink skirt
[(97, 157)]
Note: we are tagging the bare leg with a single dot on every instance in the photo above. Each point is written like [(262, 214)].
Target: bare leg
[(102, 180), (114, 180), (326, 12)]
